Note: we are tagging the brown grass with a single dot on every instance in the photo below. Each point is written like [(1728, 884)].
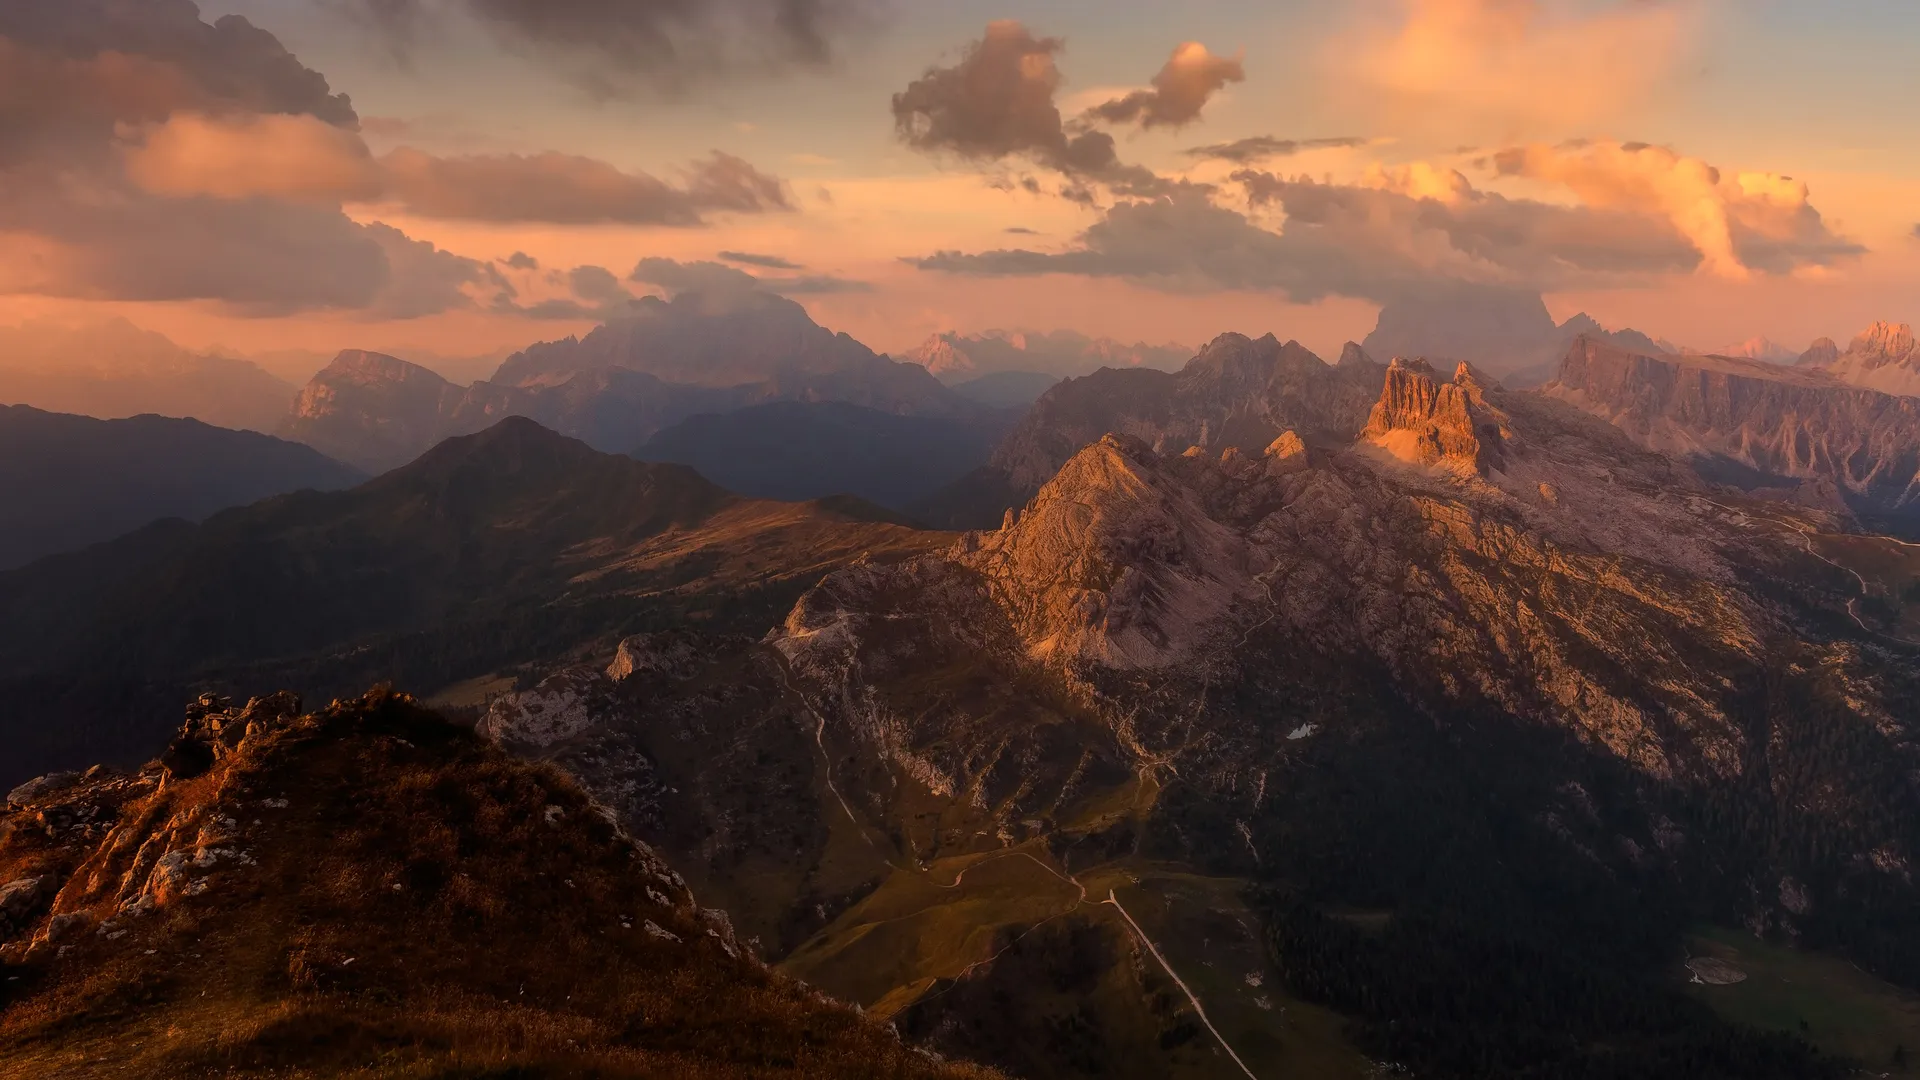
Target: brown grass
[(413, 913)]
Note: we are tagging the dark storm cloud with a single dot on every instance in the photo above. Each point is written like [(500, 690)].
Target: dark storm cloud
[(616, 48)]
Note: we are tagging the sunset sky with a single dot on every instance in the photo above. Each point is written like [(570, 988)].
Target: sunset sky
[(1704, 170)]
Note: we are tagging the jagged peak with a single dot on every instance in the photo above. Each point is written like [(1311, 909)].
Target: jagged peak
[(365, 363), (1352, 355), (1893, 342), (1422, 420), (1821, 353)]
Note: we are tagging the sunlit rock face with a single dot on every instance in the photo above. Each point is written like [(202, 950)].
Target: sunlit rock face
[(1423, 421), (1883, 357), (1782, 426)]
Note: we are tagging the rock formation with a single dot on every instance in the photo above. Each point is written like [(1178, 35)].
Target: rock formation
[(1778, 426), (1430, 423)]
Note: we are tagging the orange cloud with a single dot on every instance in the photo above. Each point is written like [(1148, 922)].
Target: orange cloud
[(246, 155), (303, 158), (1739, 223), (1521, 64)]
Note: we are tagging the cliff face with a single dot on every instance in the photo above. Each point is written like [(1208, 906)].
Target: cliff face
[(1430, 423), (1786, 424)]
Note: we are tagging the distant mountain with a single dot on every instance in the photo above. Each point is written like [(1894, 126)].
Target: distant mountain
[(71, 481), (1760, 425), (807, 450), (1760, 348), (1007, 389), (113, 369), (618, 386), (1507, 333), (380, 412), (728, 340), (489, 549), (1883, 357), (1237, 392), (960, 358), (293, 895)]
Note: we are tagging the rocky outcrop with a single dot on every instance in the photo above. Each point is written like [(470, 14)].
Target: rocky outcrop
[(1758, 424), (1237, 392), (1822, 353), (1884, 357), (1430, 423)]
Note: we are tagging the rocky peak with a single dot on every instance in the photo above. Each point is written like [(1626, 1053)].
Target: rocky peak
[(1822, 353), (1884, 344), (1116, 561), (1352, 355), (1427, 422), (1883, 357)]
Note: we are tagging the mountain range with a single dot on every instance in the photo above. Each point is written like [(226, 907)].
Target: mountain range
[(1505, 332), (1061, 354), (1763, 426), (618, 386), (1274, 717), (112, 370), (72, 481)]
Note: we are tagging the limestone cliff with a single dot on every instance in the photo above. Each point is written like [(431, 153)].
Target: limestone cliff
[(1773, 426), (1430, 423)]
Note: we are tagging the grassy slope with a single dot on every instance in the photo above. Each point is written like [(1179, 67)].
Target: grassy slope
[(416, 910), (1845, 1011)]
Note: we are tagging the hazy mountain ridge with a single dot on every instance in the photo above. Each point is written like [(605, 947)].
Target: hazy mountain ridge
[(620, 385), (113, 370), (488, 551), (955, 358), (73, 481)]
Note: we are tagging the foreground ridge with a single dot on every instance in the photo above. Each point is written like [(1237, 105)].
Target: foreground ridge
[(371, 890)]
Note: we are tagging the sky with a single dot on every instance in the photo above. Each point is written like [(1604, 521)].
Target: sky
[(464, 176)]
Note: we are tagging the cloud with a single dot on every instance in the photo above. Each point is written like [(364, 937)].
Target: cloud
[(255, 154), (1020, 230), (1916, 232), (520, 260), (769, 262), (1403, 229), (717, 278), (564, 189), (94, 206), (815, 285), (1265, 147), (998, 102), (1517, 63), (303, 157), (1180, 91), (1740, 223), (620, 48), (676, 276)]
